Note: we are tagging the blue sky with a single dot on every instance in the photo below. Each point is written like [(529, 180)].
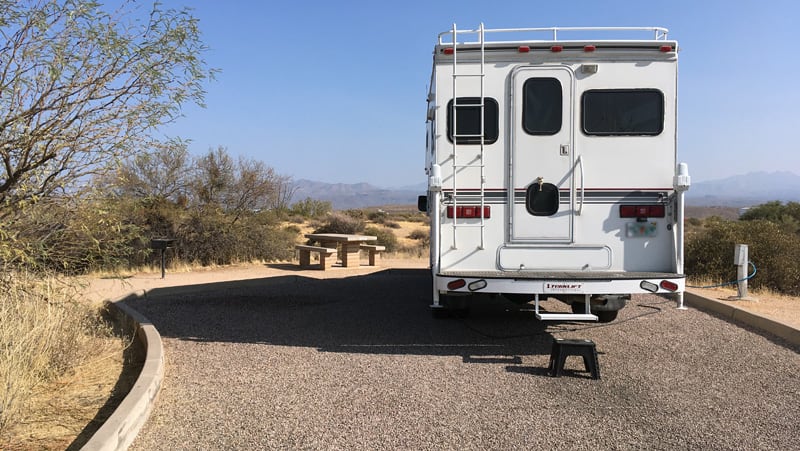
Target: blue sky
[(335, 91)]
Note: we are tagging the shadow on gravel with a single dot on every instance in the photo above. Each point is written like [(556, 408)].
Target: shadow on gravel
[(380, 313)]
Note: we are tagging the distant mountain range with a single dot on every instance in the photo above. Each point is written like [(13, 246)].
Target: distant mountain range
[(344, 196), (737, 191), (746, 190)]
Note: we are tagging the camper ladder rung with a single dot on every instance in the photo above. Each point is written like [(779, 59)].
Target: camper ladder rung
[(469, 75), (460, 105)]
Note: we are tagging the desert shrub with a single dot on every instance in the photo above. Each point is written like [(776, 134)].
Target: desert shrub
[(419, 234), (210, 238), (355, 214), (311, 208), (378, 216), (385, 237), (787, 216), (774, 250), (73, 236), (340, 223)]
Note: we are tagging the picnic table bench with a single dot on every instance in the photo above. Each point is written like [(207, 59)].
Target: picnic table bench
[(373, 250), (324, 254)]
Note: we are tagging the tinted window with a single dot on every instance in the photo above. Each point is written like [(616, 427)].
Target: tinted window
[(623, 112), (468, 118), (542, 106)]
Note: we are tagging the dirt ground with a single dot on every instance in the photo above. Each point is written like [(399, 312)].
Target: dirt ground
[(785, 309), (95, 386)]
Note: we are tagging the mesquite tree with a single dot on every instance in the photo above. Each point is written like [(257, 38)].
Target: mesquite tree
[(82, 87)]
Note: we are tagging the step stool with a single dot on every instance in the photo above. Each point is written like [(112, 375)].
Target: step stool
[(564, 347)]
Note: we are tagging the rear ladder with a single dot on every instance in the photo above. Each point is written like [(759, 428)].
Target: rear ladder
[(481, 136)]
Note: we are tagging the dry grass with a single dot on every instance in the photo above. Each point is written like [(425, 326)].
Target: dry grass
[(60, 362)]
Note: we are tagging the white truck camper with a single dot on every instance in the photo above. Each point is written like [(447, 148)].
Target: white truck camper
[(552, 168)]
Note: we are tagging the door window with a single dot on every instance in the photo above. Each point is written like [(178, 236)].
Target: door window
[(542, 106)]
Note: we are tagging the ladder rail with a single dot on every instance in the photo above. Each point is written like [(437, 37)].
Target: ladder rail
[(481, 136)]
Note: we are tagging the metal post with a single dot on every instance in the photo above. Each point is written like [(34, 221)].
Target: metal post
[(740, 260), (163, 263)]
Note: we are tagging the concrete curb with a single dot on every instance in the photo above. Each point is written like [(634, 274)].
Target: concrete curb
[(121, 428), (738, 315)]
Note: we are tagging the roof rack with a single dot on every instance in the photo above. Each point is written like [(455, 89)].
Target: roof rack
[(522, 34)]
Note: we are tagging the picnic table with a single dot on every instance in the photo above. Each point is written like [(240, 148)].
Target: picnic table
[(351, 245)]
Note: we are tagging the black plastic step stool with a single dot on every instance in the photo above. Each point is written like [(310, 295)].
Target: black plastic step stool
[(564, 347)]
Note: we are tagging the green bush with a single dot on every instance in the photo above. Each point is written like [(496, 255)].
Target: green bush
[(772, 249), (385, 237), (787, 216)]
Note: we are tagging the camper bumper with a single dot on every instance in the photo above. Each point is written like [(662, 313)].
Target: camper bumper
[(664, 285)]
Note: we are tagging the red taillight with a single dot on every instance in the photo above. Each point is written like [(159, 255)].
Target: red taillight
[(656, 211), (456, 284), (642, 211), (667, 285), (448, 51), (556, 48), (469, 211), (524, 49), (665, 48), (589, 48)]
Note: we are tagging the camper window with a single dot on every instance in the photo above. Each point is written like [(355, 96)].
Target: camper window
[(621, 112), (468, 118), (542, 105)]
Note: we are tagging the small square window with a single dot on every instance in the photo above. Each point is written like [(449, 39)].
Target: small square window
[(467, 112)]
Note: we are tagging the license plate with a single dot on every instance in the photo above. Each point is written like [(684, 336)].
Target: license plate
[(563, 287), (641, 229)]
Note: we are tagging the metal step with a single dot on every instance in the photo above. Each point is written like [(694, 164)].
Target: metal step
[(566, 317)]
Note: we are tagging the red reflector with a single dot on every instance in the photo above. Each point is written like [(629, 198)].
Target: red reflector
[(469, 211), (642, 211), (456, 284), (556, 48), (589, 48), (448, 51), (524, 49), (667, 285), (666, 48)]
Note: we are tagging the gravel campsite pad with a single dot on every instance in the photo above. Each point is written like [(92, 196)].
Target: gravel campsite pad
[(292, 361)]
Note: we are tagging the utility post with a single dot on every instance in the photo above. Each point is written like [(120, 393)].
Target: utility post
[(740, 259)]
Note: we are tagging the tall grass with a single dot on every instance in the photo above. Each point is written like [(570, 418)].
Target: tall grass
[(44, 333)]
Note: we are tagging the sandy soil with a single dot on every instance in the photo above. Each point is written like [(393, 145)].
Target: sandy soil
[(785, 309)]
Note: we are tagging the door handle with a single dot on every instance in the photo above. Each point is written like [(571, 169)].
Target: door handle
[(579, 162)]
